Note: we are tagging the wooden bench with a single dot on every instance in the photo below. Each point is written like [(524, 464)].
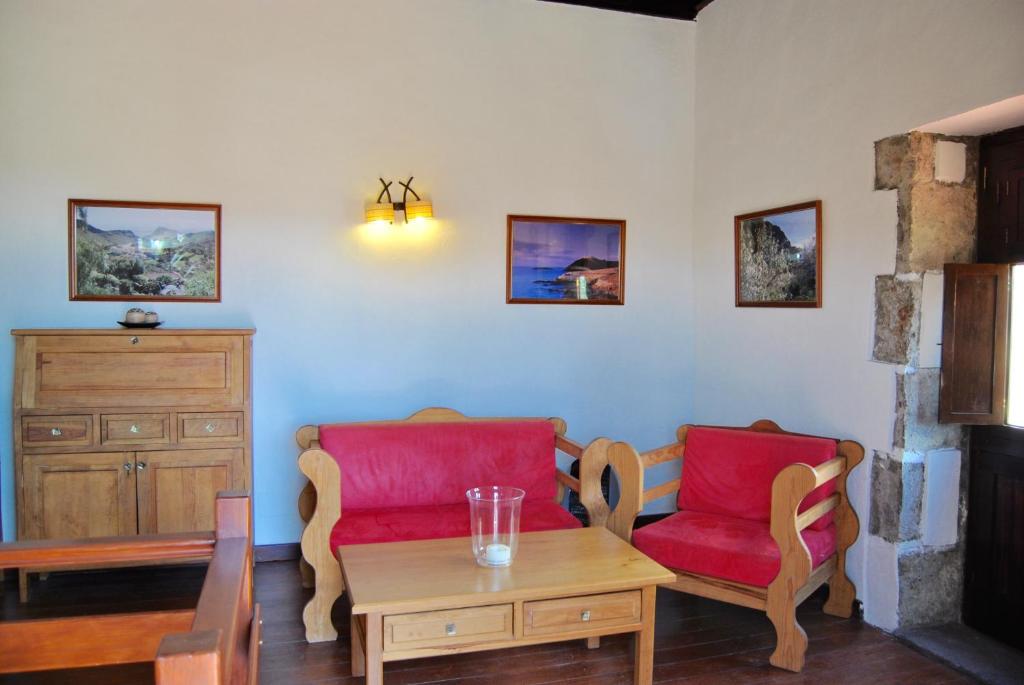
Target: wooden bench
[(449, 456), (215, 643)]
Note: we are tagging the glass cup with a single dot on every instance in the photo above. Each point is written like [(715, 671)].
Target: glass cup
[(494, 520)]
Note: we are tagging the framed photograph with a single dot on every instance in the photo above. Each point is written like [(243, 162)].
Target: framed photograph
[(143, 251), (557, 260), (778, 257)]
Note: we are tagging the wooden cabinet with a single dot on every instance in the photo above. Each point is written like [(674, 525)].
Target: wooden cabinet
[(1001, 197), (122, 432)]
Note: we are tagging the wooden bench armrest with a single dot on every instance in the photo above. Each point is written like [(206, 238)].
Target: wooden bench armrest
[(324, 476)]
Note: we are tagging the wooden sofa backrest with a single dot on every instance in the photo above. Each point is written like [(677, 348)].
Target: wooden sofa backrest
[(308, 437)]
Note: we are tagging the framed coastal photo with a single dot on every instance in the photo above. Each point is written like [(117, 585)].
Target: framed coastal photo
[(558, 260), (164, 251), (778, 257)]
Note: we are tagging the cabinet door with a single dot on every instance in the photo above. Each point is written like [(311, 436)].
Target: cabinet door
[(975, 328), (177, 488), (79, 495)]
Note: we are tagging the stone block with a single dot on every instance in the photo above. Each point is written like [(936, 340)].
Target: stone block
[(897, 324), (896, 493), (892, 162), (931, 586), (916, 427), (942, 228)]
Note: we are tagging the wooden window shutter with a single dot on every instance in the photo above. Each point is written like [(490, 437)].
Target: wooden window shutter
[(975, 332)]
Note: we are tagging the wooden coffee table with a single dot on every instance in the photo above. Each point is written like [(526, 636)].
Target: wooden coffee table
[(428, 597)]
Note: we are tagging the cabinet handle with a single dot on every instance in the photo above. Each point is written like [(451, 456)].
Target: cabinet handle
[(128, 468), (134, 428), (141, 466), (209, 427), (56, 432), (585, 615), (449, 629), (134, 340)]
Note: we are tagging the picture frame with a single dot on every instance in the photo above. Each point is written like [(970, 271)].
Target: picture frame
[(778, 256), (143, 251), (564, 260)]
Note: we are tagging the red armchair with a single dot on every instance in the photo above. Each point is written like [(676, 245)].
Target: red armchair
[(763, 519)]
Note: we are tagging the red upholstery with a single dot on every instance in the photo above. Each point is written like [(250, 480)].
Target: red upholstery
[(360, 526), (421, 464), (724, 547), (730, 472)]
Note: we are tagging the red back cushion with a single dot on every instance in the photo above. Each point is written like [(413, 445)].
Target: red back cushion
[(414, 464), (730, 472)]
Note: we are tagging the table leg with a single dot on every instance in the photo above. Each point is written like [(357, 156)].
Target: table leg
[(643, 641), (374, 639), (357, 651)]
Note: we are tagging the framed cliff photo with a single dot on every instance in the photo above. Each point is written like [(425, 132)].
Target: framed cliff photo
[(143, 251), (556, 260), (778, 257)]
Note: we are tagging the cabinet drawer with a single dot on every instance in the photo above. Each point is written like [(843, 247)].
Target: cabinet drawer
[(210, 427), (448, 628), (53, 431), (574, 614), (135, 429)]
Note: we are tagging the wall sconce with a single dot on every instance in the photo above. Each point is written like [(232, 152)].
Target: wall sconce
[(385, 211)]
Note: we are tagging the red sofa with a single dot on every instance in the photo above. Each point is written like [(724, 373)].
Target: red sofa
[(407, 480), (763, 519)]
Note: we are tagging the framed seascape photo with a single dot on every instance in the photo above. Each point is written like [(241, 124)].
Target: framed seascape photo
[(143, 251), (555, 260), (778, 257)]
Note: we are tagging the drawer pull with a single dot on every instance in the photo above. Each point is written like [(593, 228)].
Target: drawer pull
[(141, 466), (134, 428), (56, 432), (209, 427), (449, 629), (134, 340), (585, 615)]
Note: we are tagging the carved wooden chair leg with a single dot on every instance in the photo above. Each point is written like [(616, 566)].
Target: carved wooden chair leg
[(790, 638), (317, 614), (841, 593)]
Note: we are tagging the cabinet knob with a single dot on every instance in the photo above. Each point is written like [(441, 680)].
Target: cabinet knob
[(449, 628), (209, 427), (141, 466), (56, 432), (585, 615), (134, 340), (134, 428), (128, 468)]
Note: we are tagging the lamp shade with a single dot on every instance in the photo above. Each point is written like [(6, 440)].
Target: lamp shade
[(418, 209), (384, 211)]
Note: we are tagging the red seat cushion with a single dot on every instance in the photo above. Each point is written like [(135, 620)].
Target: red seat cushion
[(359, 526), (730, 472), (419, 464), (724, 547)]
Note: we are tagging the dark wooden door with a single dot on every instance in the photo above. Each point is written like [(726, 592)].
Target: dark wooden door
[(1001, 198), (994, 592), (994, 579)]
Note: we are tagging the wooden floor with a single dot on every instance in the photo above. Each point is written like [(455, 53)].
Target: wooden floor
[(698, 641)]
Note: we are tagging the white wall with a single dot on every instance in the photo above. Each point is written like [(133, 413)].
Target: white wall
[(791, 95), (286, 113)]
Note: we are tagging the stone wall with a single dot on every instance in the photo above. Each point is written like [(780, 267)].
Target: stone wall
[(935, 180)]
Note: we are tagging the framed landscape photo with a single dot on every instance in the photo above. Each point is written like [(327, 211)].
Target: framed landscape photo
[(778, 257), (558, 260), (130, 251)]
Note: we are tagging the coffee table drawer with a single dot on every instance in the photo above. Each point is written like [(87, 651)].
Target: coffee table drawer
[(448, 628), (573, 614)]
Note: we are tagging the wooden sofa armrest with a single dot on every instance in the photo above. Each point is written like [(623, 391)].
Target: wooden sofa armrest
[(324, 476)]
